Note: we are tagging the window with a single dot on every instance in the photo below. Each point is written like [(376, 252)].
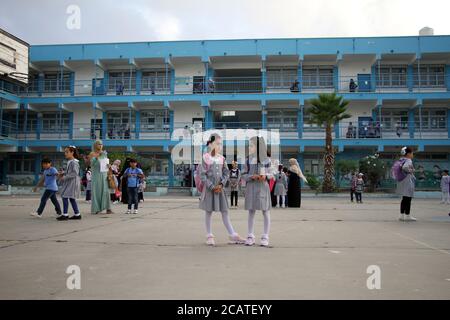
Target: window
[(281, 78), (55, 82), (394, 119), (283, 119), (391, 76), (155, 120), (22, 126), (434, 120), (307, 126), (55, 122), (21, 164), (120, 119), (318, 77), (125, 78), (429, 76), (157, 80)]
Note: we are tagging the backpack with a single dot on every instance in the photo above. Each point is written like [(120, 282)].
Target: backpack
[(397, 170), (197, 175), (84, 181)]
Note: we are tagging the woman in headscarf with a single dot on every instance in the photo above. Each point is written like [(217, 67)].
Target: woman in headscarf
[(124, 181), (99, 163), (294, 191)]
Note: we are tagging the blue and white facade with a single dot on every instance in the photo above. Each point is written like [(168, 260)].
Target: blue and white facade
[(133, 95)]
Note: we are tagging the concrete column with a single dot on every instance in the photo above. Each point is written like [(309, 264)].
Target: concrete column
[(138, 81), (300, 111), (411, 123)]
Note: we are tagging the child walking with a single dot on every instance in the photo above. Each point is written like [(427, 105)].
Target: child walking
[(445, 185), (281, 187), (257, 194), (134, 175), (70, 189), (214, 175), (235, 178), (48, 180), (359, 188)]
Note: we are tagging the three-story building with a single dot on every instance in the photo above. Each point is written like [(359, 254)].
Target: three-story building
[(133, 95)]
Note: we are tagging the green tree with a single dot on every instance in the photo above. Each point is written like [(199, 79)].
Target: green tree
[(344, 167), (327, 110), (313, 182), (374, 170)]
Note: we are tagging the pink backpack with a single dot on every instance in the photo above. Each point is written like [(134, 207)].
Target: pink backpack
[(197, 176)]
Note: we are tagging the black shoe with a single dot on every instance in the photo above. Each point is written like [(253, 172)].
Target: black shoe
[(62, 218), (77, 217)]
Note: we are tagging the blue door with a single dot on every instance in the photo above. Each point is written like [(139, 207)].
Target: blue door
[(364, 82)]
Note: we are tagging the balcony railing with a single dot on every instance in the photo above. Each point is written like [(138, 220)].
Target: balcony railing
[(113, 131), (359, 83)]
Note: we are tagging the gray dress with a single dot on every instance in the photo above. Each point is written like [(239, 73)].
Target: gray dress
[(281, 184), (406, 187), (257, 193), (211, 175), (71, 186)]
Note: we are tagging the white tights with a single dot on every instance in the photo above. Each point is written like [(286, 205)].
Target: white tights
[(251, 222), (225, 219)]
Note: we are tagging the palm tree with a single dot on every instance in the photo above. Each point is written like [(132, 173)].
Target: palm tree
[(327, 110)]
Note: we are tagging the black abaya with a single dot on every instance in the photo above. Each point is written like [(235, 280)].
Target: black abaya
[(294, 191)]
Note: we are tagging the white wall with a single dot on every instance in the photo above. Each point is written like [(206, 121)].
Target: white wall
[(184, 74)]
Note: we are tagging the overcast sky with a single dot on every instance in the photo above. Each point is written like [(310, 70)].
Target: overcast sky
[(45, 21)]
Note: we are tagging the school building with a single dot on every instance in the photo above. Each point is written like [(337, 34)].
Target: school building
[(133, 95)]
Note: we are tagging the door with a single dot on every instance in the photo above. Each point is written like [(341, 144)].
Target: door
[(96, 129), (364, 84), (365, 127)]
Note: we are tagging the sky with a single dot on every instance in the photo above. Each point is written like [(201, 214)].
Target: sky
[(88, 21)]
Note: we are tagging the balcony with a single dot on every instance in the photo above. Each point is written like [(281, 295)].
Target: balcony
[(161, 85), (347, 131)]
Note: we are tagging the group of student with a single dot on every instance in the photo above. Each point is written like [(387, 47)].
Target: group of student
[(212, 177), (69, 180), (284, 184), (103, 183)]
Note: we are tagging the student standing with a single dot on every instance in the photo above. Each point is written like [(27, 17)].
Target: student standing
[(257, 194), (70, 188), (48, 180), (235, 178), (280, 187), (359, 188), (134, 175), (406, 186), (445, 184), (214, 175)]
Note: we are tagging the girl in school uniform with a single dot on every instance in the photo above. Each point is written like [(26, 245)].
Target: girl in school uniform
[(257, 173), (70, 184), (280, 187), (214, 175)]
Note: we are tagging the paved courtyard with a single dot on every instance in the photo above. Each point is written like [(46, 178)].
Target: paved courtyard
[(321, 251)]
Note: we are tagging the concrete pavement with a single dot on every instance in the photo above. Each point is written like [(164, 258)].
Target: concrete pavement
[(321, 251)]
